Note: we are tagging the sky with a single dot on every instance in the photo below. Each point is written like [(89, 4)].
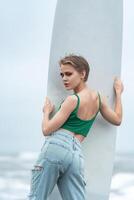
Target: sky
[(25, 38)]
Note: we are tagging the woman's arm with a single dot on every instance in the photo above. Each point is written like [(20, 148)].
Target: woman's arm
[(113, 116), (50, 125)]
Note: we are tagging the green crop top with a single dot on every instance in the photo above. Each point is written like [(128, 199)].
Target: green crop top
[(77, 125)]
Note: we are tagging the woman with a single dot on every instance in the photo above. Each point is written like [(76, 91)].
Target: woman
[(61, 160)]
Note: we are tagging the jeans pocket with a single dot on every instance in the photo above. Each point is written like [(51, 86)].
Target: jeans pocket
[(56, 152)]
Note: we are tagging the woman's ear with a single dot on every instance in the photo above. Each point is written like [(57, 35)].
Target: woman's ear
[(83, 73)]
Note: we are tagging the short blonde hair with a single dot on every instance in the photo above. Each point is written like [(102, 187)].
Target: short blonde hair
[(78, 62)]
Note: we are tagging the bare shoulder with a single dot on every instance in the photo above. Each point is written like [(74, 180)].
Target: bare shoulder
[(95, 94), (69, 103), (72, 99), (104, 100)]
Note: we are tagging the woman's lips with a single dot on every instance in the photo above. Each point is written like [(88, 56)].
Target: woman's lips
[(66, 84)]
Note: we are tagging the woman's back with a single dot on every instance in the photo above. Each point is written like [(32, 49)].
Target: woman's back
[(83, 116), (89, 104)]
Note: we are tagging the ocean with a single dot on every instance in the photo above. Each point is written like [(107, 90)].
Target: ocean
[(15, 176)]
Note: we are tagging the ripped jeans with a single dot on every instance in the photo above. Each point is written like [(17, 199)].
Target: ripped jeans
[(60, 162)]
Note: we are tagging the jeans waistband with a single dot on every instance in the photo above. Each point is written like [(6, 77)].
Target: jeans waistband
[(68, 134)]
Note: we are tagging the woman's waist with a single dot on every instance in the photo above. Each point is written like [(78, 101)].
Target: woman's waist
[(74, 136), (78, 137), (64, 136)]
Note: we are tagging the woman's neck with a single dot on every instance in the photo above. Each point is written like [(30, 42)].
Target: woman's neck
[(80, 87)]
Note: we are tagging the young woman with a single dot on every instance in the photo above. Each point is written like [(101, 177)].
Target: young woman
[(61, 160)]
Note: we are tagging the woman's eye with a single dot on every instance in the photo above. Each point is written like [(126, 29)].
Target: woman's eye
[(61, 74), (68, 74)]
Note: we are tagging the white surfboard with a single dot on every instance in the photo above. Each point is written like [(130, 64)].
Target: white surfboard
[(92, 29)]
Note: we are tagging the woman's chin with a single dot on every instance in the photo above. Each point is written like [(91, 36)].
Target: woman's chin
[(68, 89)]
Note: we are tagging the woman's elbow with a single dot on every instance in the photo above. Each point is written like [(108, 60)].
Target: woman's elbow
[(45, 132), (118, 122)]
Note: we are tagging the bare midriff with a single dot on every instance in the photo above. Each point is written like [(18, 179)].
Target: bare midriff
[(78, 136)]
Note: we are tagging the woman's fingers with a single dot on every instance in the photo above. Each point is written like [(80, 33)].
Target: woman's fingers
[(48, 106), (118, 85), (47, 100)]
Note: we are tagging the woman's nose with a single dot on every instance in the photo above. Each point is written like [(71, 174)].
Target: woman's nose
[(64, 78)]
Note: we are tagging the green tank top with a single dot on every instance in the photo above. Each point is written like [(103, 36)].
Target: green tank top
[(77, 125)]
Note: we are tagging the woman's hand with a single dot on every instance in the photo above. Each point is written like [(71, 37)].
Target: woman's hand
[(118, 85), (48, 106)]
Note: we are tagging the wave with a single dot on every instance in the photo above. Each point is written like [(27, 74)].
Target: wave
[(20, 156)]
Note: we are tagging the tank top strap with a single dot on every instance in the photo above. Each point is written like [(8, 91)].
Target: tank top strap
[(99, 106), (78, 102), (99, 101)]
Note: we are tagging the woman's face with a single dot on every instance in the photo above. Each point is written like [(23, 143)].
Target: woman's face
[(71, 78)]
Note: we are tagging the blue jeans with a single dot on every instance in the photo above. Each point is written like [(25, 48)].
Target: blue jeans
[(60, 162)]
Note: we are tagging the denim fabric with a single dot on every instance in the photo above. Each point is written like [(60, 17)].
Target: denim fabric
[(60, 162)]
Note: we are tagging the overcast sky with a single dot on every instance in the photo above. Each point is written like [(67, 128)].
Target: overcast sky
[(27, 26)]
